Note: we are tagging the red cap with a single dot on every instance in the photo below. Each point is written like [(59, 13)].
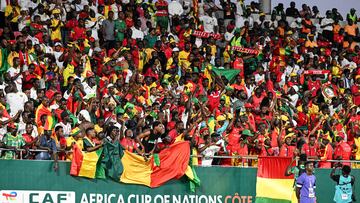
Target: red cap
[(89, 74), (12, 41), (202, 130), (11, 125)]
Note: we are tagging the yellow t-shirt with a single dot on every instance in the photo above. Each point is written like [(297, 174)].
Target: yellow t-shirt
[(148, 52), (169, 63), (56, 34), (213, 50), (11, 57), (357, 154), (314, 109), (69, 71), (311, 44), (183, 56), (357, 143)]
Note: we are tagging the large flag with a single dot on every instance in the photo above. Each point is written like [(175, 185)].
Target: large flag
[(114, 162), (85, 164), (172, 163), (229, 74), (271, 184)]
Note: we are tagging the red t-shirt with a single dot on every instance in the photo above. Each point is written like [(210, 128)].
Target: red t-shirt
[(343, 150), (234, 136), (173, 134), (287, 151), (325, 154), (356, 99), (266, 152), (239, 65), (78, 33), (28, 138), (310, 150), (128, 144)]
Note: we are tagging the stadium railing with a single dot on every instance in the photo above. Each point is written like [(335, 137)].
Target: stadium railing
[(243, 163)]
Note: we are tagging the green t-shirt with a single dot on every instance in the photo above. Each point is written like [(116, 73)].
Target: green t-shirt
[(151, 40), (120, 28), (11, 141)]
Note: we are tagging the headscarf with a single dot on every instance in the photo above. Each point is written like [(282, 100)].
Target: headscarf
[(85, 114)]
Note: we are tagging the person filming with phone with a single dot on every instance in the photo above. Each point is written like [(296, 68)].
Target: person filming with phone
[(344, 184)]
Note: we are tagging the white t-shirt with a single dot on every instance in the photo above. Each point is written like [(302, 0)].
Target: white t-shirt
[(326, 21), (57, 56), (294, 98), (137, 34), (18, 81), (175, 8), (22, 130), (16, 102), (66, 128), (209, 23), (208, 153), (3, 129), (290, 69), (228, 36)]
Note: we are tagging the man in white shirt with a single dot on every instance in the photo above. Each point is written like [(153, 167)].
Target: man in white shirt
[(208, 150), (15, 99), (15, 73), (229, 34), (291, 68), (65, 123), (293, 95), (136, 31), (175, 8), (327, 26), (90, 85), (186, 5), (210, 23), (26, 118)]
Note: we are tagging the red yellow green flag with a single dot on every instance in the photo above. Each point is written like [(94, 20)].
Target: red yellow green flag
[(271, 184), (84, 163), (172, 165), (41, 111)]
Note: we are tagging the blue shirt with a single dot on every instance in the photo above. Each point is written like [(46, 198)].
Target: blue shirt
[(51, 144), (44, 142), (307, 183)]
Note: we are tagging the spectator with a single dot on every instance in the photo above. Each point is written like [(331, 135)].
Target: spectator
[(292, 11), (208, 150), (12, 141), (344, 184), (151, 74), (109, 30)]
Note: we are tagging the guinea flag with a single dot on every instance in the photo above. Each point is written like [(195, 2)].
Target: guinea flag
[(41, 111), (85, 164), (271, 183), (170, 163)]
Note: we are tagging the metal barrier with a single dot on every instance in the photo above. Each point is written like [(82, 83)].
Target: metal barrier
[(244, 163)]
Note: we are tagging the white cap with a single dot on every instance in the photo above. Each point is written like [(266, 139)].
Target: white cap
[(58, 44), (175, 49)]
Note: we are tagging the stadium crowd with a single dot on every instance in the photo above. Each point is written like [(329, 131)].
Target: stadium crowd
[(223, 75)]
